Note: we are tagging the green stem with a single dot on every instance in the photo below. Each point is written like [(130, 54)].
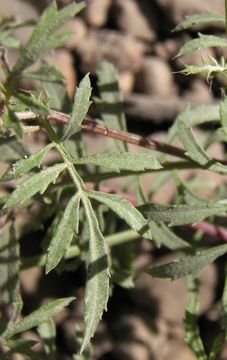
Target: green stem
[(74, 251)]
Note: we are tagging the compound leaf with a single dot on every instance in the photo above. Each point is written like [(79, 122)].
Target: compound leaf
[(118, 161), (188, 265), (66, 228), (44, 37), (80, 108), (181, 214), (36, 183), (97, 286), (199, 19), (23, 166), (202, 42), (122, 208), (39, 316)]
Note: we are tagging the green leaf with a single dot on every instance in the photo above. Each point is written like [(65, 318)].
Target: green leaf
[(10, 120), (188, 265), (37, 317), (122, 208), (46, 72), (110, 104), (47, 332), (192, 333), (36, 183), (80, 108), (217, 346), (9, 264), (22, 346), (12, 149), (163, 236), (66, 228), (200, 19), (97, 286), (123, 161), (44, 37), (33, 104), (223, 113), (202, 42), (181, 214), (194, 149), (23, 166)]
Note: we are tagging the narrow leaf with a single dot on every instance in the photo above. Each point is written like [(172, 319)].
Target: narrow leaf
[(163, 236), (223, 113), (36, 183), (194, 149), (80, 108), (188, 265), (33, 104), (12, 150), (202, 42), (123, 161), (11, 121), (23, 166), (192, 333), (181, 214), (200, 19), (110, 104), (122, 208), (66, 228), (44, 35), (97, 286), (46, 72), (47, 332), (37, 317)]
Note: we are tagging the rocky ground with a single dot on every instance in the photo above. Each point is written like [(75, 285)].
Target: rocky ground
[(145, 322)]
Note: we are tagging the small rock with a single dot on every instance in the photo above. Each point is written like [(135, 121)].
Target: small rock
[(79, 31), (140, 27), (155, 78), (123, 51), (96, 12)]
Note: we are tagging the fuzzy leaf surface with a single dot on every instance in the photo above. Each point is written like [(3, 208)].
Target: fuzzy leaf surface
[(33, 104), (36, 183), (181, 214), (23, 166), (44, 37), (12, 150), (194, 149), (80, 107), (188, 265), (202, 42), (41, 315), (122, 208), (66, 228), (118, 161), (200, 19), (97, 285), (46, 72)]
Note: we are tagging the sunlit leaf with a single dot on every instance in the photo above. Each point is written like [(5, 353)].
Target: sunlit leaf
[(37, 317), (44, 37), (123, 161), (80, 108), (122, 208), (36, 183), (65, 230), (47, 332), (97, 286), (23, 166), (188, 265), (200, 19), (202, 42)]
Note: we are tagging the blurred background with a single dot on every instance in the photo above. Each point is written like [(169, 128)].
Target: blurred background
[(145, 322)]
